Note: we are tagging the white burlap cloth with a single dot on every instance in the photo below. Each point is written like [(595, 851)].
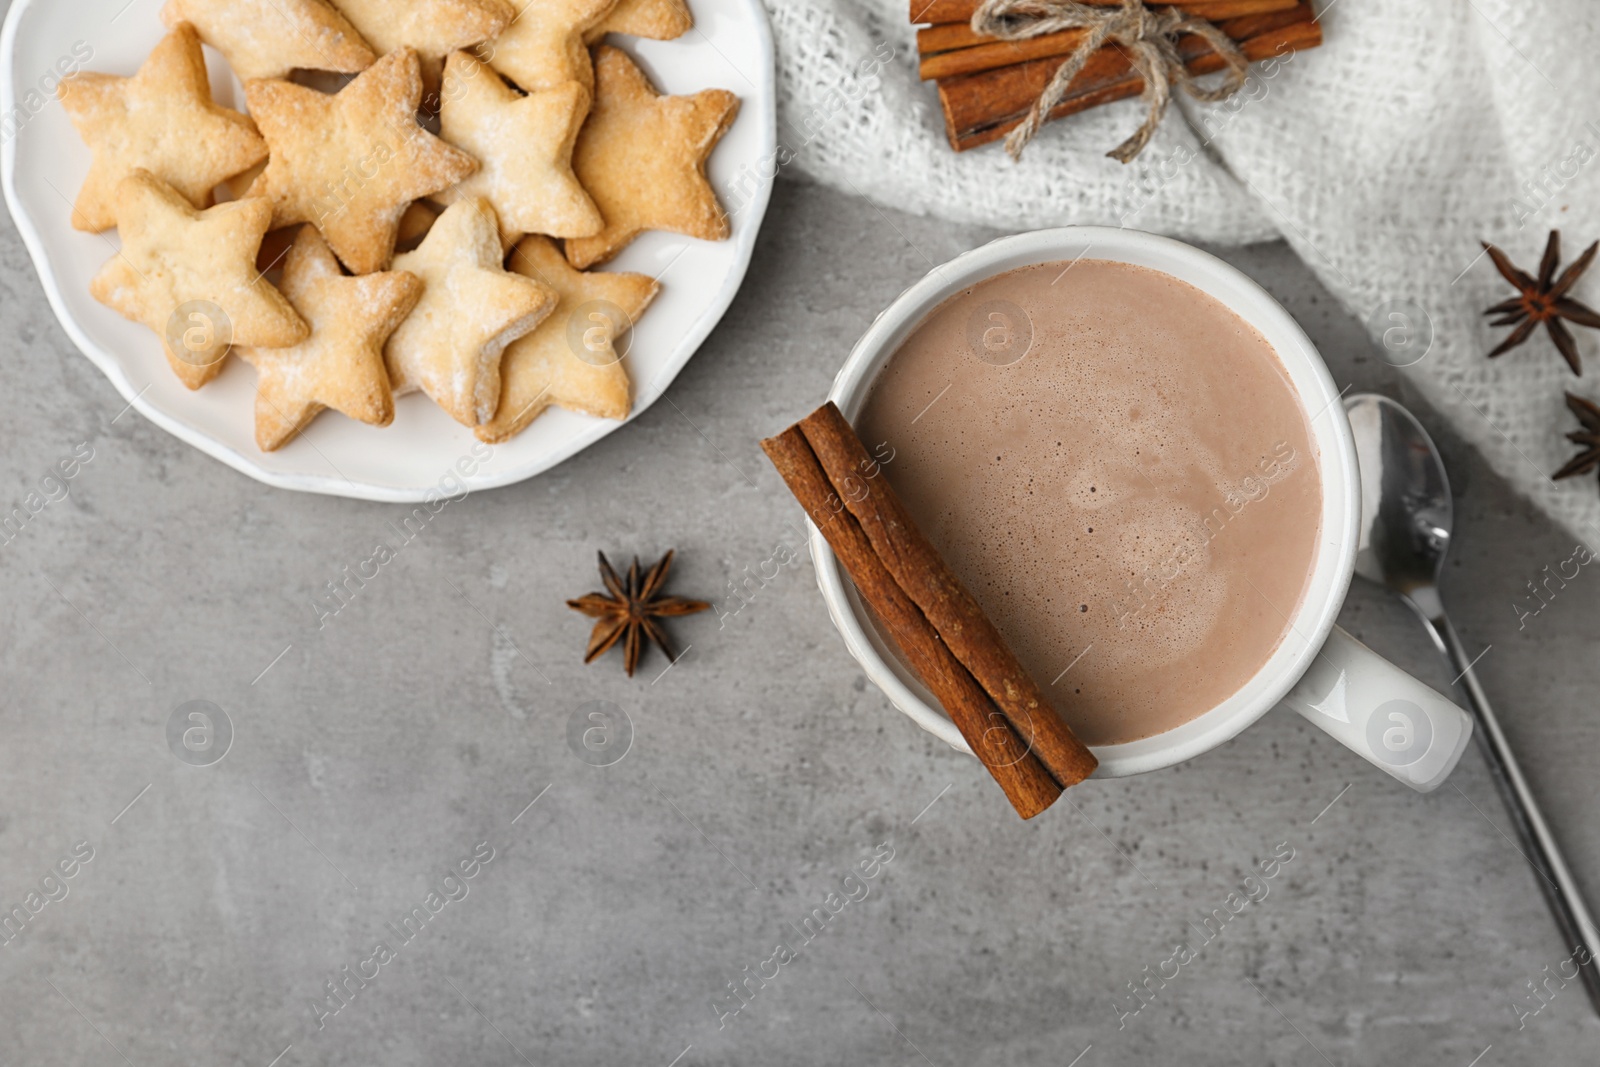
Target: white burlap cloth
[(1383, 157)]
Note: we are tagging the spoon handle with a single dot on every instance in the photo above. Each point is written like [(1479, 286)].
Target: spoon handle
[(1539, 845)]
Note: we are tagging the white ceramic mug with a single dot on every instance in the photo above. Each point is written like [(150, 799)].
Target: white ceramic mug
[(1383, 714)]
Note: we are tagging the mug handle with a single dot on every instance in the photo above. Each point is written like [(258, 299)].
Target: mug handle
[(1381, 713)]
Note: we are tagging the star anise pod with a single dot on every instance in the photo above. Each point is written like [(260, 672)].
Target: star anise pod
[(1589, 437), (628, 614), (1543, 300)]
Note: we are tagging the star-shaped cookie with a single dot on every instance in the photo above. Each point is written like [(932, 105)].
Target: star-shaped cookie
[(191, 276), (544, 45), (642, 157), (471, 308), (162, 120), (571, 360), (525, 143), (434, 28), (340, 365), (352, 163), (660, 20), (270, 38)]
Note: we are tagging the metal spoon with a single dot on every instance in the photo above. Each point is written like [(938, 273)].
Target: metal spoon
[(1406, 515)]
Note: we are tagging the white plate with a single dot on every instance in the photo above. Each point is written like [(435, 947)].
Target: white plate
[(43, 162)]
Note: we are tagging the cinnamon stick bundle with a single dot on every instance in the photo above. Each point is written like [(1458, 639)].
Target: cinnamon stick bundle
[(963, 10), (940, 628), (985, 106), (954, 48)]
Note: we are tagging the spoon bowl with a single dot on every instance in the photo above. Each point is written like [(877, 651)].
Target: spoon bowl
[(1406, 509)]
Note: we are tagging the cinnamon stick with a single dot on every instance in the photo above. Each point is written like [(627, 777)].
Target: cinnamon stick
[(953, 48), (984, 107), (993, 53), (1019, 773), (918, 569), (947, 37)]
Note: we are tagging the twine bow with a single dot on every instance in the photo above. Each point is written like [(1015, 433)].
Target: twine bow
[(1148, 36)]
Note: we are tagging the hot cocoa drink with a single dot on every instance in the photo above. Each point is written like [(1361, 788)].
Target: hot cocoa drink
[(1117, 467)]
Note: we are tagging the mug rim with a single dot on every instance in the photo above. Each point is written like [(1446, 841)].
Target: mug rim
[(1327, 428)]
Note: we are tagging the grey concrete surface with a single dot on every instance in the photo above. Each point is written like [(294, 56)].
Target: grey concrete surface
[(370, 757)]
